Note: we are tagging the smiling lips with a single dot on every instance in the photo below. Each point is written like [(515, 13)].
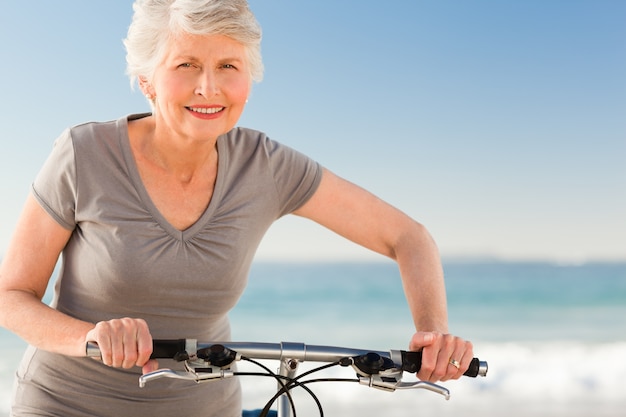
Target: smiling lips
[(206, 110)]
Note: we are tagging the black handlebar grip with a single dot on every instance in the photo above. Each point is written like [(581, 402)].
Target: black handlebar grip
[(474, 369), (169, 349), (412, 362)]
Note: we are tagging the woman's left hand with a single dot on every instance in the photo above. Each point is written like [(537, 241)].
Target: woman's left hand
[(444, 356)]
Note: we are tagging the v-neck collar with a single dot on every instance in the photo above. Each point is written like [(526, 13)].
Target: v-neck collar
[(133, 170)]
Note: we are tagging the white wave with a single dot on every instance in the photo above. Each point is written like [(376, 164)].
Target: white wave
[(525, 379)]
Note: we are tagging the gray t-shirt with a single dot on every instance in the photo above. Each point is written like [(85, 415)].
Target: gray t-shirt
[(125, 260)]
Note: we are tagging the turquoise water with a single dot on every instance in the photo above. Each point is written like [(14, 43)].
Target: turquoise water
[(487, 301), (554, 336)]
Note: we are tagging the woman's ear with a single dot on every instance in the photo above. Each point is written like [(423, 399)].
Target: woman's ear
[(146, 87)]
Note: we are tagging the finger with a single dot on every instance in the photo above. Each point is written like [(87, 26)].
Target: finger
[(429, 362), (454, 365), (150, 366), (466, 360), (460, 359), (423, 341), (144, 344), (443, 368), (118, 350), (420, 340), (100, 335), (129, 347), (137, 342), (430, 355)]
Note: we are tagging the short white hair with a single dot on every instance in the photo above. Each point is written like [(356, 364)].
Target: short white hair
[(155, 21)]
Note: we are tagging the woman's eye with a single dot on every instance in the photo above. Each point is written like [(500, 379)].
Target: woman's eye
[(185, 65), (229, 66)]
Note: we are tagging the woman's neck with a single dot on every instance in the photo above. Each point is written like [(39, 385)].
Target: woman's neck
[(180, 158)]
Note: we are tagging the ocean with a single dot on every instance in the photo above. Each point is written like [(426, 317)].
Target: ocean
[(554, 335)]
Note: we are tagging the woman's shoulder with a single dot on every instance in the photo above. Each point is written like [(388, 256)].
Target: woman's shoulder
[(91, 129), (96, 139)]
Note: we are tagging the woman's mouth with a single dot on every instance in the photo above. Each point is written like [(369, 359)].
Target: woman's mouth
[(206, 110)]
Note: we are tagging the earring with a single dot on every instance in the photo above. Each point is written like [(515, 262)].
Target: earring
[(149, 96)]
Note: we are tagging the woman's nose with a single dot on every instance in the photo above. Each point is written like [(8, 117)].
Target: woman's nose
[(208, 85)]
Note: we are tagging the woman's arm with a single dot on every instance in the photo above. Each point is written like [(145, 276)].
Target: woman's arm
[(368, 221), (24, 275)]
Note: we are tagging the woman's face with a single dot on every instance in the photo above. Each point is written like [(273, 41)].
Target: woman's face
[(201, 86)]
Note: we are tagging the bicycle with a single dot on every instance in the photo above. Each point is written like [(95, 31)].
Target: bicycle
[(208, 361)]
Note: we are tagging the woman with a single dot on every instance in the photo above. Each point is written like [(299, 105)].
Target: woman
[(158, 217)]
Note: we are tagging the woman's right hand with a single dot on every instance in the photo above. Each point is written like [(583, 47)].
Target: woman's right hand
[(124, 343)]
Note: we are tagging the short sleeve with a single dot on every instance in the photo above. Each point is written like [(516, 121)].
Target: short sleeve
[(55, 185), (296, 176)]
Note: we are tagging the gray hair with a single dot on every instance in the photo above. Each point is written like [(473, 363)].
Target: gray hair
[(155, 21)]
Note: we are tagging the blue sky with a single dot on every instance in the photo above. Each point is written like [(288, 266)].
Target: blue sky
[(501, 125)]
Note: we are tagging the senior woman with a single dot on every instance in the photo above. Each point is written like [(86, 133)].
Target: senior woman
[(158, 217)]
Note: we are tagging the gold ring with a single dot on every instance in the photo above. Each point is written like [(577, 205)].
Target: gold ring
[(455, 363)]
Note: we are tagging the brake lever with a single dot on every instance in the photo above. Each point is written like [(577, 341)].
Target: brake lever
[(391, 384), (382, 373), (206, 373)]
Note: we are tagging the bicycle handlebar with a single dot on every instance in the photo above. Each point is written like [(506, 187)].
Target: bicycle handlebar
[(183, 349), (212, 360)]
